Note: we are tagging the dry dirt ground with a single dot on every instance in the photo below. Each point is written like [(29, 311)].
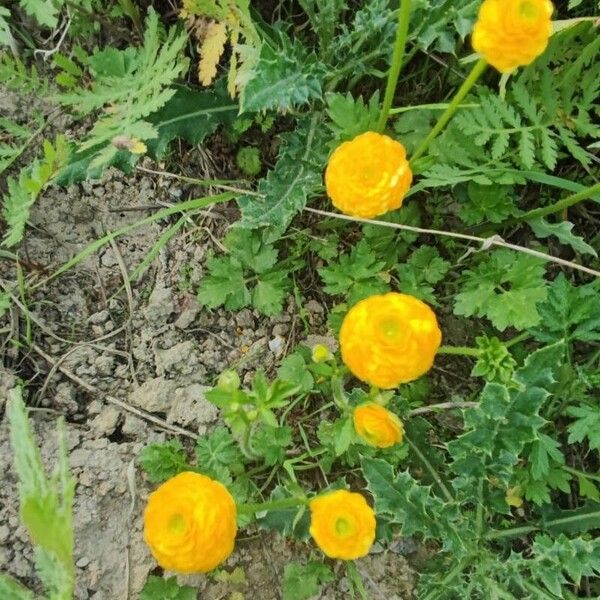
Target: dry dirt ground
[(109, 357)]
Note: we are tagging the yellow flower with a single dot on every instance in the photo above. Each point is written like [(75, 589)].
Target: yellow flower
[(368, 176), (190, 523), (389, 339), (377, 425), (342, 524), (512, 33)]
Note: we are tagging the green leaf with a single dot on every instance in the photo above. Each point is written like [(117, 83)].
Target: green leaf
[(493, 203), (288, 522), (506, 420), (588, 489), (571, 313), (283, 78), (11, 589), (293, 368), (356, 275), (303, 581), (544, 451), (270, 443), (338, 434), (163, 460), (217, 452), (350, 117), (269, 293), (563, 231), (129, 85), (412, 505), (45, 12), (424, 268), (225, 286), (24, 191), (286, 188), (192, 115), (586, 425), (46, 503), (157, 588), (505, 288)]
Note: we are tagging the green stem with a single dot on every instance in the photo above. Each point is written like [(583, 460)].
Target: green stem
[(557, 206), (468, 83), (459, 350), (517, 339), (273, 505), (580, 473), (430, 468), (397, 59), (511, 533)]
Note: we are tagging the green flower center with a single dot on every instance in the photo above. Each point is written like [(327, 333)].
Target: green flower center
[(343, 527), (176, 524), (392, 330), (528, 9)]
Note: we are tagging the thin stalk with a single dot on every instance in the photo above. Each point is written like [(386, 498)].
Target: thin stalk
[(431, 470), (459, 350), (580, 473), (468, 83), (273, 505), (557, 206), (397, 59), (436, 106)]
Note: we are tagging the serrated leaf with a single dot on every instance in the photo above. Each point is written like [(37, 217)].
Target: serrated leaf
[(570, 312), (157, 588), (504, 288), (270, 443), (586, 425), (163, 460), (303, 581), (191, 115), (563, 230), (283, 78), (225, 285), (287, 187), (217, 452), (412, 505), (293, 368), (355, 275), (351, 117), (544, 450)]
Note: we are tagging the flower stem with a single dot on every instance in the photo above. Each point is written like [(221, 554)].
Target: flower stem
[(459, 350), (272, 505), (557, 206), (468, 83), (397, 59)]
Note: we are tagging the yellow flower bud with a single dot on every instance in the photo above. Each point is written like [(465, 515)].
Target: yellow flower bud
[(377, 426), (321, 353)]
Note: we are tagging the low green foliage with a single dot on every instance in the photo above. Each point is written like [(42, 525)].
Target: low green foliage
[(303, 581), (46, 509)]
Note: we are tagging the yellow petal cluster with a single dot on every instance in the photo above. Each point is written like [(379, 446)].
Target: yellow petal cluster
[(389, 339), (512, 33), (377, 426), (368, 176), (342, 524), (190, 523)]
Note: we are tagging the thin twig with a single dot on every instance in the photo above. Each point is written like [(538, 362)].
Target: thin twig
[(217, 183), (442, 406), (486, 243), (142, 414)]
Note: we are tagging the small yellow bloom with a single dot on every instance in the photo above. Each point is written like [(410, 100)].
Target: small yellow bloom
[(389, 339), (377, 425), (321, 353), (190, 523), (342, 524), (512, 33), (368, 176)]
